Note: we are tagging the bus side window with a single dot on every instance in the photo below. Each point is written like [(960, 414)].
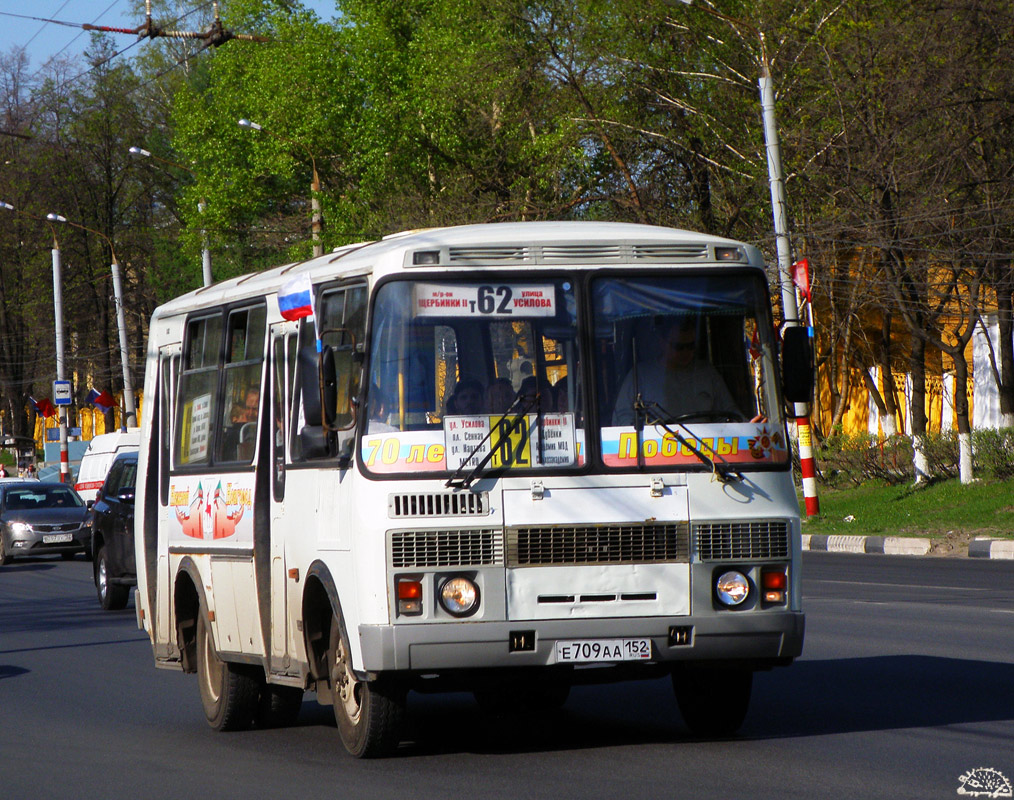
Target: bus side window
[(198, 390), (311, 432), (334, 376), (240, 408)]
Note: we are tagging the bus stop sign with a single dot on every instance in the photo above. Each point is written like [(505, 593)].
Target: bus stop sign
[(61, 393)]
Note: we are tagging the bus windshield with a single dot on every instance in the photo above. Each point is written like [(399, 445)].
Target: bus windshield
[(470, 373), (686, 356)]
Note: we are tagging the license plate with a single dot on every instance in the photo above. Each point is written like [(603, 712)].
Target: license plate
[(57, 538), (584, 650)]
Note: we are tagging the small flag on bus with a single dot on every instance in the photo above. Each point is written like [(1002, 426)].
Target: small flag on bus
[(295, 298)]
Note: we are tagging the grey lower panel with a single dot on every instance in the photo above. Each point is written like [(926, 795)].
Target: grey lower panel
[(463, 645)]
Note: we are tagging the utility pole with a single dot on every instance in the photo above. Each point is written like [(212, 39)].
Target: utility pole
[(201, 206), (316, 225), (790, 306), (129, 407)]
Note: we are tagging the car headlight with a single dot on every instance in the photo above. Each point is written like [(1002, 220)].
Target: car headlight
[(21, 528), (732, 587), (459, 596)]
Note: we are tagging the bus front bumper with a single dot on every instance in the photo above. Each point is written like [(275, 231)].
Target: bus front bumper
[(763, 639)]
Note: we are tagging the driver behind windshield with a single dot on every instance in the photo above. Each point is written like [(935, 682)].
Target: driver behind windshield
[(675, 378)]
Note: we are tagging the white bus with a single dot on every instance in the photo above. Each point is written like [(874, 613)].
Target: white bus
[(501, 458)]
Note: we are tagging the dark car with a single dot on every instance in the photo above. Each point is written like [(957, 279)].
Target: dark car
[(41, 518), (113, 533)]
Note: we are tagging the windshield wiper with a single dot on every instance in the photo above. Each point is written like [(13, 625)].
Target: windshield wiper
[(456, 481), (653, 414)]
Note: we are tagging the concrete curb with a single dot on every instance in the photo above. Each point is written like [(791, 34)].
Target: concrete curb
[(991, 548), (884, 545)]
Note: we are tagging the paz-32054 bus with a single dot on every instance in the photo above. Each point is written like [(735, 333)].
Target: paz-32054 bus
[(501, 458)]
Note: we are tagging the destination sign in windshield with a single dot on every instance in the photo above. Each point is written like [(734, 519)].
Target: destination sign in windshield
[(484, 300)]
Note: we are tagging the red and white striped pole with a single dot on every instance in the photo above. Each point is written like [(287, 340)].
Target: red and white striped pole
[(790, 306), (807, 465)]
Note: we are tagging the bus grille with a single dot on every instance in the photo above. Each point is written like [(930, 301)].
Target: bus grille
[(600, 544), (464, 548), (727, 541), (437, 504)]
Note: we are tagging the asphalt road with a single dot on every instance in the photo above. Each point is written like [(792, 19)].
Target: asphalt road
[(906, 684)]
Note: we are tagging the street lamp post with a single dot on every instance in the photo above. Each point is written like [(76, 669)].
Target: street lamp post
[(316, 224), (130, 409), (58, 322), (205, 251), (776, 185)]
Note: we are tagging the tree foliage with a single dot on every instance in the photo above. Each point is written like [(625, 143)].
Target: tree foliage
[(895, 120)]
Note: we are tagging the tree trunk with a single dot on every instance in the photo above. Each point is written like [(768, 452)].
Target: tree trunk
[(917, 370), (889, 421), (1005, 327), (961, 413)]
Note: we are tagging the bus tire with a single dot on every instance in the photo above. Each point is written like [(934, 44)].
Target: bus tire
[(713, 701), (112, 596), (368, 713), (229, 693), (278, 706)]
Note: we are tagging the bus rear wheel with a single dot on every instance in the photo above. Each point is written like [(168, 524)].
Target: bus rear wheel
[(368, 713), (229, 693), (713, 701)]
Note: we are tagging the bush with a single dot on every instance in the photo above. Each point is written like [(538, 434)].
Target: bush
[(851, 460), (994, 452)]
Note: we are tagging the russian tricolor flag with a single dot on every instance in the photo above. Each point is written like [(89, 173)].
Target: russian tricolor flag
[(295, 298), (103, 401)]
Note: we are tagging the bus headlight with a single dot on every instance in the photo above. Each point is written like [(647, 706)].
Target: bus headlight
[(459, 596), (732, 588)]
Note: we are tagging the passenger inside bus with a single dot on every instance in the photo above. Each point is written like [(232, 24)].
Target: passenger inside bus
[(538, 393), (676, 380), (499, 395), (467, 398)]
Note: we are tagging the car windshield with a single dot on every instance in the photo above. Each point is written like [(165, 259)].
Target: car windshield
[(42, 497)]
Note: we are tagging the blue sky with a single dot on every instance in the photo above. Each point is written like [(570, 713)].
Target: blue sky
[(44, 40)]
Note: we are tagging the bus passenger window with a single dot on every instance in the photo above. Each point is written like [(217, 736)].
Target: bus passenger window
[(198, 390), (242, 384)]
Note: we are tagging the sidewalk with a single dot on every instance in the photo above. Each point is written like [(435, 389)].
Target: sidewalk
[(903, 546)]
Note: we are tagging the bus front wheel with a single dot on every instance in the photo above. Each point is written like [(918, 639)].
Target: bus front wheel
[(713, 701), (368, 713), (229, 693)]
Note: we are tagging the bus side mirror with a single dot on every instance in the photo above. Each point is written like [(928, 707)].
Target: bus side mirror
[(797, 364), (328, 386)]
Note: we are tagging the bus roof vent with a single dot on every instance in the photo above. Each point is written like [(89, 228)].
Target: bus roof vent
[(670, 252), (485, 254), (582, 252), (437, 504)]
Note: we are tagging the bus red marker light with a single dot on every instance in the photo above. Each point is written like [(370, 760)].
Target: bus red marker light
[(774, 584), (410, 596)]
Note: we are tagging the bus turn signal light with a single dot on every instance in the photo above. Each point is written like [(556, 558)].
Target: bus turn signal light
[(774, 584), (409, 596)]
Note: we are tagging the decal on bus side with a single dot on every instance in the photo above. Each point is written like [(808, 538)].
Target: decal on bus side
[(211, 508)]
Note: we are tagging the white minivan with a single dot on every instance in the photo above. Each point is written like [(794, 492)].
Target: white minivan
[(98, 458)]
